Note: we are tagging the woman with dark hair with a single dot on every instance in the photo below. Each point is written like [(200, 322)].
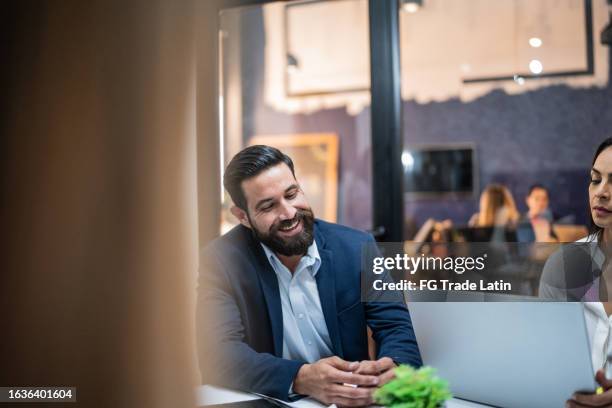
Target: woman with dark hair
[(593, 290), (599, 194)]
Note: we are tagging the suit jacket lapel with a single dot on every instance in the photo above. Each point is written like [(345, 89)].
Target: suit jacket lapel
[(326, 283), (269, 284)]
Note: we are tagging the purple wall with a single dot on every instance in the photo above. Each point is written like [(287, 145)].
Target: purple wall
[(546, 136)]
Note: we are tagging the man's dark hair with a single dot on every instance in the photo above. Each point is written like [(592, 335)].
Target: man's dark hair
[(535, 187), (249, 163)]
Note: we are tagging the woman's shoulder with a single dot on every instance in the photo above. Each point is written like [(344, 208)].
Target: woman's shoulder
[(588, 238)]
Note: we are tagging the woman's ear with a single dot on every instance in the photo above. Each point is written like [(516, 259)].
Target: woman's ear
[(241, 215)]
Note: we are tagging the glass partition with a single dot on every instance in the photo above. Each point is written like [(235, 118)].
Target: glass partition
[(303, 88), (499, 97)]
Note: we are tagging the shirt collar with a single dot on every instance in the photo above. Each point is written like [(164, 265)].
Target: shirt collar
[(596, 253), (311, 258)]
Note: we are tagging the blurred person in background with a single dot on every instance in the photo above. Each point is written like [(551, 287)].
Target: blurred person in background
[(538, 200), (285, 292), (536, 224), (497, 208)]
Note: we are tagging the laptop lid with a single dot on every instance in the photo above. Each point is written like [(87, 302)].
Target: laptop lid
[(508, 354)]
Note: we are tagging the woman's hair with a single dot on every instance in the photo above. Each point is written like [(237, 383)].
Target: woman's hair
[(595, 230), (497, 207)]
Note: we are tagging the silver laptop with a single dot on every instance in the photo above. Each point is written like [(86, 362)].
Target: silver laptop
[(506, 354)]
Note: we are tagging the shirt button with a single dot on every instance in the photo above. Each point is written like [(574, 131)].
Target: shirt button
[(310, 343), (301, 315)]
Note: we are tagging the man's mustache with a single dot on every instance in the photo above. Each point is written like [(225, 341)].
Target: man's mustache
[(299, 216)]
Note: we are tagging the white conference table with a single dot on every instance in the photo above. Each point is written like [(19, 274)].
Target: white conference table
[(210, 395)]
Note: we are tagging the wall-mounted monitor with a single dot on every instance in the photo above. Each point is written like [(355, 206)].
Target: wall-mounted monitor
[(440, 170)]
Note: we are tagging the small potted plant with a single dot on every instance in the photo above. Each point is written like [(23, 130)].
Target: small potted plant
[(413, 389)]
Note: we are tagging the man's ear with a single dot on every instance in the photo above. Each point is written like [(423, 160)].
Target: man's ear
[(241, 215)]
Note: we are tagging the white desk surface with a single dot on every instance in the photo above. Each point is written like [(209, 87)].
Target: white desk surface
[(208, 395)]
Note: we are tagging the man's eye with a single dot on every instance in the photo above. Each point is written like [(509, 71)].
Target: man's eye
[(595, 181), (292, 195), (266, 208)]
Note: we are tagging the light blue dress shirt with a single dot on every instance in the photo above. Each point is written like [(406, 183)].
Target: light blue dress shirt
[(305, 334)]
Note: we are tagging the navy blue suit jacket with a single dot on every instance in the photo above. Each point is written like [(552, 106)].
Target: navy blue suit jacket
[(239, 314)]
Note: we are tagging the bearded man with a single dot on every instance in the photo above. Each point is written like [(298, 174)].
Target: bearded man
[(279, 307)]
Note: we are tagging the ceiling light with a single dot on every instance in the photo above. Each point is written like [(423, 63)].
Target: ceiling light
[(535, 66), (535, 42), (411, 6), (407, 160)]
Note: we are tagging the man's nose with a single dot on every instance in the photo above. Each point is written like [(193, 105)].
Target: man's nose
[(287, 211)]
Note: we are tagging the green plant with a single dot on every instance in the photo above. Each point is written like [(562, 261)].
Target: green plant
[(413, 389)]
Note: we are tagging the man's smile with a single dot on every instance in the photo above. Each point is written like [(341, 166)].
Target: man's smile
[(292, 229)]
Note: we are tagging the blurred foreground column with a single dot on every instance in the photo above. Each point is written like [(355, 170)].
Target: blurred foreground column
[(99, 203)]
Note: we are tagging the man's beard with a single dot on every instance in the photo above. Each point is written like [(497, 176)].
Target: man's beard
[(295, 245)]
